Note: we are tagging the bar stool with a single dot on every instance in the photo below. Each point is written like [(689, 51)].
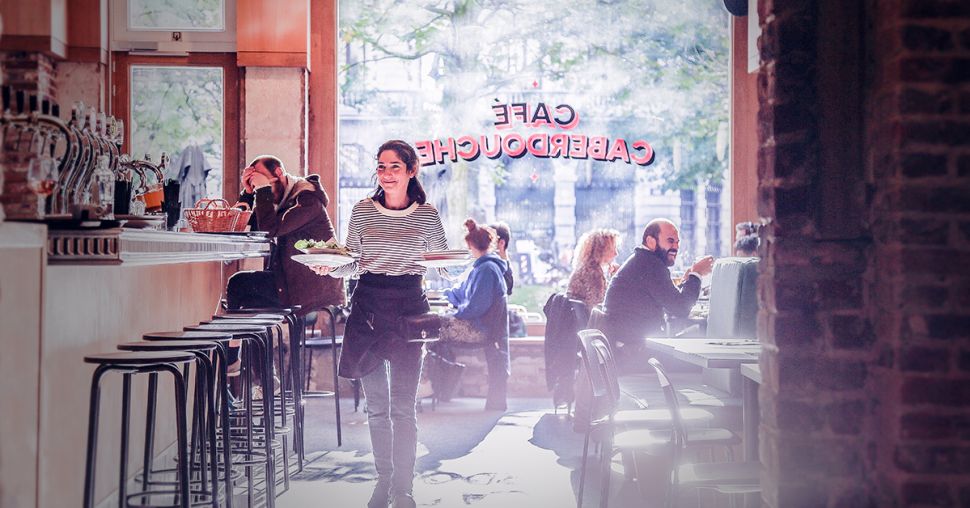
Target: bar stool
[(263, 363), (203, 414), (128, 364), (288, 406), (297, 325), (334, 342), (221, 341)]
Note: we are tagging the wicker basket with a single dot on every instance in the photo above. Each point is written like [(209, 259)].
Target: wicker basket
[(242, 221), (212, 215)]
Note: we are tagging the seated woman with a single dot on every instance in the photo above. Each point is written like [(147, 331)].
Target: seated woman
[(482, 315), (592, 264)]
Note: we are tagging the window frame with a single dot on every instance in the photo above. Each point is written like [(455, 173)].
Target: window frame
[(121, 97)]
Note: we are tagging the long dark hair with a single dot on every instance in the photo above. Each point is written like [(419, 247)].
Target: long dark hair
[(410, 159)]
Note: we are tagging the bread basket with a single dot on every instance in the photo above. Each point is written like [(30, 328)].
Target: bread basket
[(214, 216)]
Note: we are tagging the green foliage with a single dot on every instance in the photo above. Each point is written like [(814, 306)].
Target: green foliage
[(177, 14), (531, 297), (173, 107)]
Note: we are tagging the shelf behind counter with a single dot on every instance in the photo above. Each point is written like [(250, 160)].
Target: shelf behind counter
[(149, 247)]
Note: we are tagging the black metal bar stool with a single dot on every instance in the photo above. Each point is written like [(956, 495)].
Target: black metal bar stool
[(221, 341), (297, 324), (334, 342), (261, 360), (128, 364), (284, 408), (202, 439)]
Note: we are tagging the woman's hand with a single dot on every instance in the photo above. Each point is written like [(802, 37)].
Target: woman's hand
[(612, 269), (321, 270)]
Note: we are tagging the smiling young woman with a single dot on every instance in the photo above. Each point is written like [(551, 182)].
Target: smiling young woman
[(389, 231)]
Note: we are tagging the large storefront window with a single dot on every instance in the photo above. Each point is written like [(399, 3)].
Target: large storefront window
[(624, 70)]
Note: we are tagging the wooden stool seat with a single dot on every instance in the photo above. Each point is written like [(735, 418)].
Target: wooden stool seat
[(251, 315), (228, 327), (169, 345), (188, 335), (140, 358), (242, 321)]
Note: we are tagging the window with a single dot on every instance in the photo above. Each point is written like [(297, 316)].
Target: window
[(173, 26), (176, 110), (173, 106), (630, 69), (187, 15)]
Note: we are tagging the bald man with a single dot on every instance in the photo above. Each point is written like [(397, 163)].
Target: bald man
[(642, 291)]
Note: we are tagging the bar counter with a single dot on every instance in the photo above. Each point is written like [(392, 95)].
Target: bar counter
[(66, 294)]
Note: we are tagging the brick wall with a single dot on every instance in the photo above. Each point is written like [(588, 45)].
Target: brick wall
[(35, 74), (865, 306)]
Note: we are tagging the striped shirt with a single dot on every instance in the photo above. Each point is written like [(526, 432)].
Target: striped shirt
[(390, 241)]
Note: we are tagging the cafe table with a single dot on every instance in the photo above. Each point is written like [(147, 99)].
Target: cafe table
[(720, 359), (751, 374)]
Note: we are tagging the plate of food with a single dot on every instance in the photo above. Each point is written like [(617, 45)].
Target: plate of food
[(330, 260), (323, 247)]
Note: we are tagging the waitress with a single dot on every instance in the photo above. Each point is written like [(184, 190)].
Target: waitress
[(389, 231)]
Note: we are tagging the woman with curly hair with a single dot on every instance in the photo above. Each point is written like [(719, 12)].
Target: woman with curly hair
[(592, 264)]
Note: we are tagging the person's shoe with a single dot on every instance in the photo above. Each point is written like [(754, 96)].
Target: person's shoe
[(381, 496), (403, 501)]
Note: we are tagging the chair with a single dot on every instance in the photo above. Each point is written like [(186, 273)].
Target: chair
[(309, 344), (630, 431), (725, 477), (734, 299), (564, 318)]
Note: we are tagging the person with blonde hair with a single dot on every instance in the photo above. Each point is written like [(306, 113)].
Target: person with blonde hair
[(592, 264)]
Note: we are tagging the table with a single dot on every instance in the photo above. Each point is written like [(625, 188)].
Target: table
[(708, 353), (719, 358), (750, 415)]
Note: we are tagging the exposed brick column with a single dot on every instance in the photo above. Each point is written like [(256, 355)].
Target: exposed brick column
[(866, 399), (815, 406), (921, 164), (34, 74)]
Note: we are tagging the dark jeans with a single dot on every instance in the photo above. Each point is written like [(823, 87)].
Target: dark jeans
[(390, 369), (391, 390), (499, 369)]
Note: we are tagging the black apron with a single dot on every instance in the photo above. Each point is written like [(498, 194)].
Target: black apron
[(373, 327)]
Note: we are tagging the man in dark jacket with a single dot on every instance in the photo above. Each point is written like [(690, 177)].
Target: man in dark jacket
[(642, 291), (502, 238), (291, 208)]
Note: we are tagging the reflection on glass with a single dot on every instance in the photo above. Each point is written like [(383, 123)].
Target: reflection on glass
[(633, 69), (176, 15), (174, 109), (41, 175)]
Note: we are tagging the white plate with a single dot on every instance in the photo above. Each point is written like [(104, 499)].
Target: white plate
[(331, 260), (444, 263), (456, 253)]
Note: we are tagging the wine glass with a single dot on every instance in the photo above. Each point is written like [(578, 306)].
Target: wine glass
[(42, 175)]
